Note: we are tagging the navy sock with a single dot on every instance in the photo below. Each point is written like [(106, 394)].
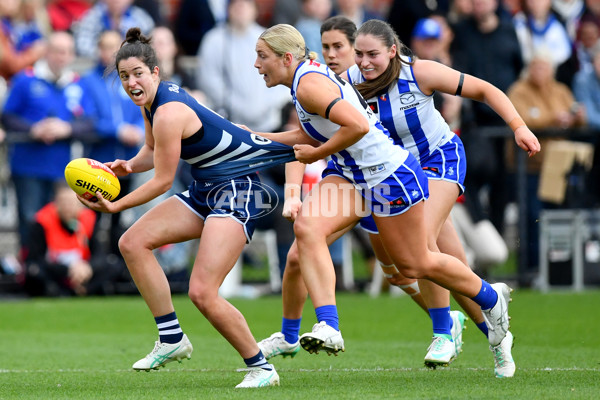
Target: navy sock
[(258, 361), (487, 296), (483, 328), (328, 314), (441, 321), (169, 330), (290, 329)]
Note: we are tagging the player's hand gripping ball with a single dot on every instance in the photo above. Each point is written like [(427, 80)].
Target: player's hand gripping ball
[(86, 177)]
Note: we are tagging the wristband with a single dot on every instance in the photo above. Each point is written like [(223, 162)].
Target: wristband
[(516, 123)]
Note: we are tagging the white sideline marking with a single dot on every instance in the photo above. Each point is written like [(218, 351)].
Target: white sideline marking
[(46, 371)]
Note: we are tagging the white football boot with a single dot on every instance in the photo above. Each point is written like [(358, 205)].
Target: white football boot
[(440, 353), (496, 318), (322, 337), (164, 353), (257, 377), (458, 326), (276, 345), (504, 365)]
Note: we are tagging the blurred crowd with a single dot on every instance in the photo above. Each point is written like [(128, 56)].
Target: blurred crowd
[(61, 98)]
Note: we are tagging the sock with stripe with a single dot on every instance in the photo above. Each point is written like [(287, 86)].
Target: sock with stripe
[(329, 314), (441, 321), (169, 330), (487, 296), (258, 361), (290, 329)]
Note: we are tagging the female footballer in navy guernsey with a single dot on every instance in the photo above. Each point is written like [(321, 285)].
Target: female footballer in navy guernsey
[(220, 206)]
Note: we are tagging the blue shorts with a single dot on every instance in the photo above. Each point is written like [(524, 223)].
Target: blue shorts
[(448, 163), (241, 199), (398, 192)]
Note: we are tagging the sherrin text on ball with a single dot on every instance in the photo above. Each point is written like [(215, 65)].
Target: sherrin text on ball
[(87, 177)]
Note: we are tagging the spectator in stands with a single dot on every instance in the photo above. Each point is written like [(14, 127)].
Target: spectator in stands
[(164, 44), (193, 21), (45, 107), (586, 88), (228, 77), (543, 102), (62, 259), (355, 11), (537, 26), (13, 59), (118, 123), (154, 8), (570, 12), (119, 15), (286, 12), (459, 10), (591, 12), (403, 15), (32, 24), (314, 12), (64, 13), (588, 36), (488, 48)]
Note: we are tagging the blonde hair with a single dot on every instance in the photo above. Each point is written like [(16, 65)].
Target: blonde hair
[(284, 38)]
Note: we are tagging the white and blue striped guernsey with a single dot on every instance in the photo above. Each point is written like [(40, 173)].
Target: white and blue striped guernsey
[(220, 150), (408, 114), (370, 160)]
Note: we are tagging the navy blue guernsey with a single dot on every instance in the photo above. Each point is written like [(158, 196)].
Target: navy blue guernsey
[(220, 150)]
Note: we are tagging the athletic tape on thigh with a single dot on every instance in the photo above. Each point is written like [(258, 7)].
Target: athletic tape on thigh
[(414, 286), (389, 270)]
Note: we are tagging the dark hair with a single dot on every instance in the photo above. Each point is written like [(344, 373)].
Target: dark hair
[(384, 32), (137, 45), (340, 23)]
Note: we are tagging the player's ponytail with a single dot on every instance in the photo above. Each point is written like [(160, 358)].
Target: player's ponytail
[(137, 45), (384, 32)]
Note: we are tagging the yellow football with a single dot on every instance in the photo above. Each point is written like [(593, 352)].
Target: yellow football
[(86, 177)]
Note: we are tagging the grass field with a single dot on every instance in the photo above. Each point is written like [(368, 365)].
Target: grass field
[(84, 348)]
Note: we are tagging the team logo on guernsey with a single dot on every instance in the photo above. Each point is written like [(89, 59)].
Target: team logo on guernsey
[(243, 197), (173, 88)]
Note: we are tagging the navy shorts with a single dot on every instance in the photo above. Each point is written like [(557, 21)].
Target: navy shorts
[(398, 192), (241, 199)]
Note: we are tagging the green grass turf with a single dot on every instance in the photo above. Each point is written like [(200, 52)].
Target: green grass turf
[(84, 348)]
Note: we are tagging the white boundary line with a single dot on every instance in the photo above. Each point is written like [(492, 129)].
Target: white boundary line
[(163, 370)]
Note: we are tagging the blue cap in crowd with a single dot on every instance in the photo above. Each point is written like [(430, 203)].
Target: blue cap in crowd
[(427, 28)]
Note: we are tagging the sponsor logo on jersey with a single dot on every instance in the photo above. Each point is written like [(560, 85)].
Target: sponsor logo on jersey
[(374, 107), (407, 98), (173, 88), (396, 203), (376, 169), (431, 171)]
